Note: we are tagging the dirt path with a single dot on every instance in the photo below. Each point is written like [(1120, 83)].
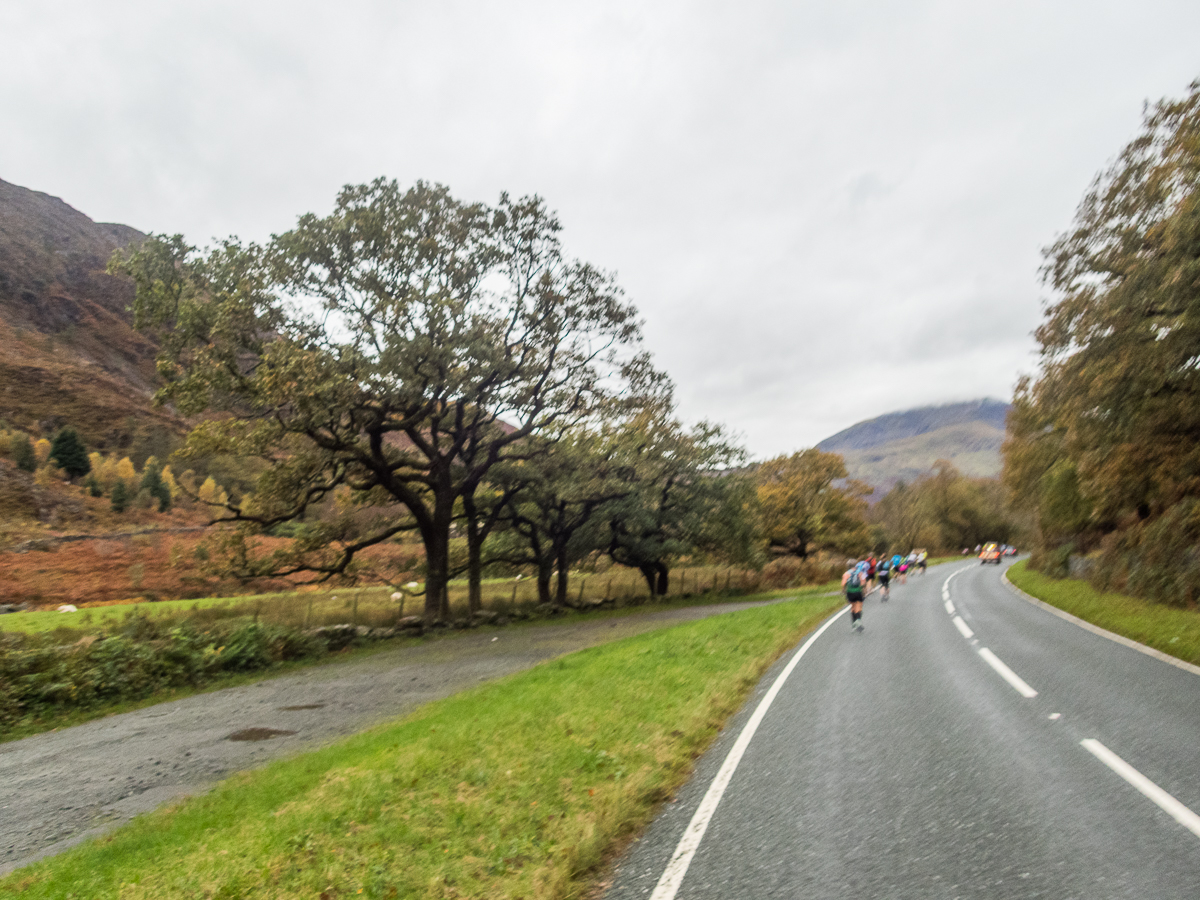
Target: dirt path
[(62, 787)]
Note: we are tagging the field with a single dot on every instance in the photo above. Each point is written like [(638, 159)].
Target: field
[(373, 605), (124, 568)]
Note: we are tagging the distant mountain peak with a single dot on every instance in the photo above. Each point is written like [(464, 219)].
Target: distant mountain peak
[(903, 446), (915, 422)]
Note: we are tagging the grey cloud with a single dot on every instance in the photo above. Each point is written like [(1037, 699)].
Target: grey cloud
[(774, 182)]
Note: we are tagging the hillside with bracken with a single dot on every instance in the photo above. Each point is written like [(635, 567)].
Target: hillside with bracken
[(68, 351)]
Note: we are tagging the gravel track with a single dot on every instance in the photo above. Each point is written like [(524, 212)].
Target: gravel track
[(63, 787)]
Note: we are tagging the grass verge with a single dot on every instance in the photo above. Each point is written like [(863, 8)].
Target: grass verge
[(514, 789), (1165, 628)]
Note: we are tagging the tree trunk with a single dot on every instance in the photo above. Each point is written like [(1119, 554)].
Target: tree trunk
[(474, 555), (437, 564), (437, 559), (560, 593), (543, 581), (649, 572), (664, 579)]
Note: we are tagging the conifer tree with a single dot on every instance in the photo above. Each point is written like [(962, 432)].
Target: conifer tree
[(153, 484), (68, 451), (120, 497)]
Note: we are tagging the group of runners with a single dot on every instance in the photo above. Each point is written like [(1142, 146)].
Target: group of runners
[(859, 579)]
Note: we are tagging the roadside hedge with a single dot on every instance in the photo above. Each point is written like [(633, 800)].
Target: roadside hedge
[(39, 676)]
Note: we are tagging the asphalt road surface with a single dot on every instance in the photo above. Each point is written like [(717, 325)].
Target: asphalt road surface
[(62, 787), (966, 744)]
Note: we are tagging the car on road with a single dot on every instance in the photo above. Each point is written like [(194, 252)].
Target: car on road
[(991, 553)]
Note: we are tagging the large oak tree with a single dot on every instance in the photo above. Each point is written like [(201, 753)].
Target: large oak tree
[(398, 349)]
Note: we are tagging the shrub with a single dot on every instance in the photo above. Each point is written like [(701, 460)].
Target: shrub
[(1158, 559), (23, 454), (246, 648), (1054, 563), (44, 673), (792, 571)]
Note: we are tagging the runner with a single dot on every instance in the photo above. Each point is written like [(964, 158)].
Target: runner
[(885, 577), (872, 570), (852, 584), (922, 557)]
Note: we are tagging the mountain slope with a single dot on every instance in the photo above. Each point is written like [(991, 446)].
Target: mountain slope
[(902, 446), (68, 351)]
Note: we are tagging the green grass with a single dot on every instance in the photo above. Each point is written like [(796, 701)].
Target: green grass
[(1168, 629), (518, 788)]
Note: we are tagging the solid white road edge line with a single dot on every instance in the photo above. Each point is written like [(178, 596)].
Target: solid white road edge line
[(672, 876), (1007, 674), (1096, 629), (962, 628), (1165, 801)]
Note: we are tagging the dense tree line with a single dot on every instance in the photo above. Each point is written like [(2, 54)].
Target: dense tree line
[(1104, 443), (945, 510)]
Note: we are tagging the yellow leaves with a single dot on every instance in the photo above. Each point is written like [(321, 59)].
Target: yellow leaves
[(211, 492), (799, 503), (168, 478)]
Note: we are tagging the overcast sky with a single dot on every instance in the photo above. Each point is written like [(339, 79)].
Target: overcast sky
[(824, 211)]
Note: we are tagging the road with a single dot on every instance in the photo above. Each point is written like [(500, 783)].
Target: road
[(64, 786), (967, 744)]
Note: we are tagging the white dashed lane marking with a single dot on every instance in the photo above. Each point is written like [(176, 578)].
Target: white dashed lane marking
[(1007, 674), (1165, 801), (1148, 788)]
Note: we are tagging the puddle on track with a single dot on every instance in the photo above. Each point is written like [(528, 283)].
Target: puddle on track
[(257, 734)]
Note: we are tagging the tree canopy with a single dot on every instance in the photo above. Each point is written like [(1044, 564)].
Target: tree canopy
[(1104, 444), (687, 497), (805, 509), (398, 348), (1111, 425)]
